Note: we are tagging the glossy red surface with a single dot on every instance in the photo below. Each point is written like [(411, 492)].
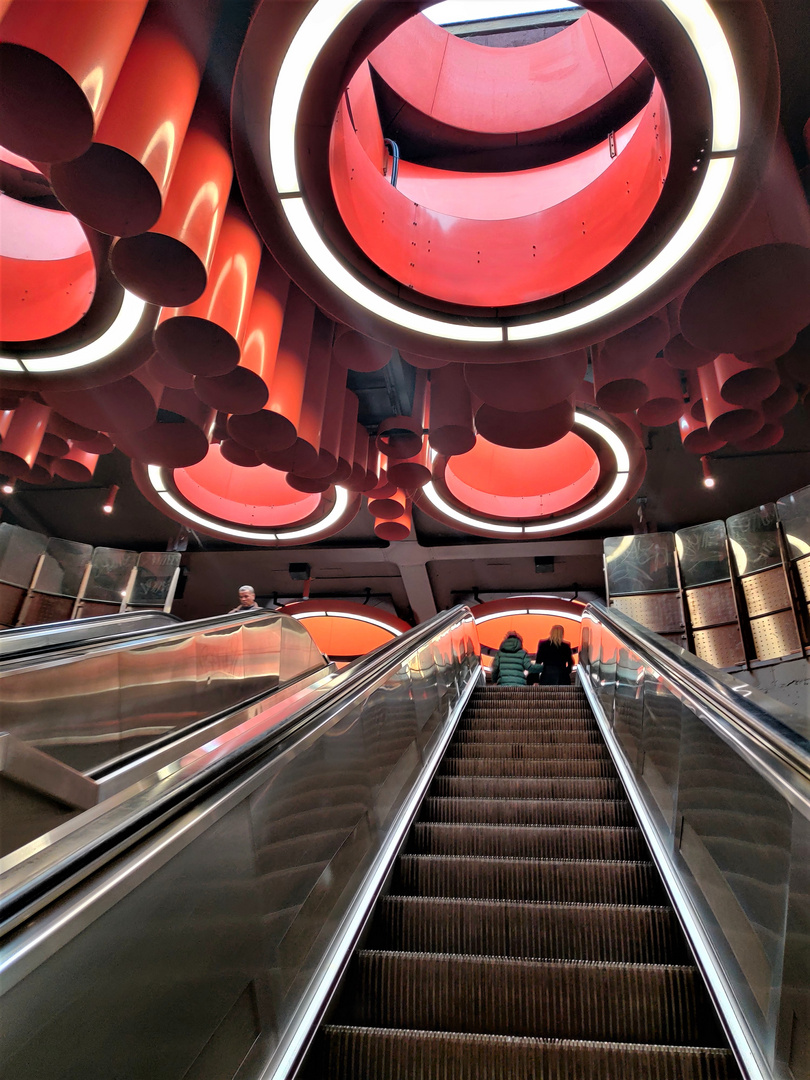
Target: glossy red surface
[(259, 497), (47, 271), (498, 481), (488, 259)]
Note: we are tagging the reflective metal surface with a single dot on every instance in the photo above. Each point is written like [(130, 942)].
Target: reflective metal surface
[(703, 554), (721, 646), (720, 778), (22, 639), (766, 592), (89, 707), (661, 612), (198, 950), (711, 605), (640, 564)]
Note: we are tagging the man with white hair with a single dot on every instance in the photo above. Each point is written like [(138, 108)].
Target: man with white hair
[(247, 600)]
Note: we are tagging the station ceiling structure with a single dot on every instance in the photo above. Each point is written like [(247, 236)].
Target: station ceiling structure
[(331, 273)]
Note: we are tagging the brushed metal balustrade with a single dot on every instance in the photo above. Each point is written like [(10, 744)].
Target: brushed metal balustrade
[(721, 777), (202, 948)]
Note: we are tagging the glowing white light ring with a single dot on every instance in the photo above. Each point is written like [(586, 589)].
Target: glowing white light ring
[(124, 325), (621, 460), (526, 611), (706, 35), (187, 513), (346, 615)]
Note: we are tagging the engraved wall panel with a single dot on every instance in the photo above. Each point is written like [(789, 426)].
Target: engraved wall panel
[(711, 605), (775, 636), (766, 592), (660, 612), (720, 645)]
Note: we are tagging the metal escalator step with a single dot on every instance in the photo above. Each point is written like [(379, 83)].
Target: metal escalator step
[(529, 841), (503, 766), (491, 811), (526, 787), (364, 1053), (548, 998), (611, 933), (529, 750), (533, 735), (567, 882)]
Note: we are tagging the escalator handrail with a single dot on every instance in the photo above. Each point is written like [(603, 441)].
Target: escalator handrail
[(90, 845), (756, 716), (94, 627), (148, 636)]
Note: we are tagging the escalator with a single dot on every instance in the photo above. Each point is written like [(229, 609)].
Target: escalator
[(25, 642), (399, 872), (526, 932)]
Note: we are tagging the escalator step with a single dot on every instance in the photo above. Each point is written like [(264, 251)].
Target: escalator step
[(495, 766), (529, 841), (494, 811), (508, 787), (552, 999), (359, 1053), (636, 935), (533, 735), (543, 751), (566, 882)]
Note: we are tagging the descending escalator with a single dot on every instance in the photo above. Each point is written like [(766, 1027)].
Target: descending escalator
[(526, 932)]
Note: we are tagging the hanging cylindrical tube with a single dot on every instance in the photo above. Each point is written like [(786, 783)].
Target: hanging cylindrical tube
[(169, 264), (205, 337), (399, 529), (451, 412), (696, 437), (682, 356), (126, 405), (348, 438), (355, 352), (237, 454), (729, 422), (389, 507), (331, 427), (358, 477), (119, 184), (169, 373), (525, 431), (60, 61), (618, 381), (665, 403), (178, 444), (23, 438), (525, 387), (411, 473), (744, 384), (77, 465)]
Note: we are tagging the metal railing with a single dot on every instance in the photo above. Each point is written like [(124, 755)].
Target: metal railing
[(194, 926), (719, 776)]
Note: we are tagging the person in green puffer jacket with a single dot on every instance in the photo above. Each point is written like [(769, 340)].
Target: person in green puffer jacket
[(512, 662)]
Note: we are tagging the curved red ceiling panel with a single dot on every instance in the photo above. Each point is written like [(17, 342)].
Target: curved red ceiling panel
[(499, 263), (479, 89)]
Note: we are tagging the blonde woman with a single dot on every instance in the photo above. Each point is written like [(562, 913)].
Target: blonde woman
[(555, 655)]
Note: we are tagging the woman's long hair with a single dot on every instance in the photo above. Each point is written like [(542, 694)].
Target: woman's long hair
[(556, 635)]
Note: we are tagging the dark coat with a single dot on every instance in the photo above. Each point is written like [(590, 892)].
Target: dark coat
[(510, 663), (556, 661)]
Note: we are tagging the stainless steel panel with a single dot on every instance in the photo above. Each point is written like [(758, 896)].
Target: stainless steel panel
[(154, 577), (775, 636), (794, 513), (703, 554), (20, 550), (628, 705), (711, 605), (721, 646), (766, 592), (62, 570), (754, 539), (640, 564), (109, 574), (159, 690), (220, 921), (660, 612), (298, 650)]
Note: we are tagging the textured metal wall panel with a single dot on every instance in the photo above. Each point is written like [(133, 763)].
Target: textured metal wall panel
[(766, 592), (660, 612), (711, 605), (775, 636), (721, 646), (803, 567)]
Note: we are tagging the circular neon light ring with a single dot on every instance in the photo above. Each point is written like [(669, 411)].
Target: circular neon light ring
[(621, 462), (706, 35), (188, 513), (123, 326)]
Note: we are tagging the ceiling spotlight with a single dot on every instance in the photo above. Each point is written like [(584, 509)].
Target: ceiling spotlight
[(708, 479), (8, 487), (109, 501)]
